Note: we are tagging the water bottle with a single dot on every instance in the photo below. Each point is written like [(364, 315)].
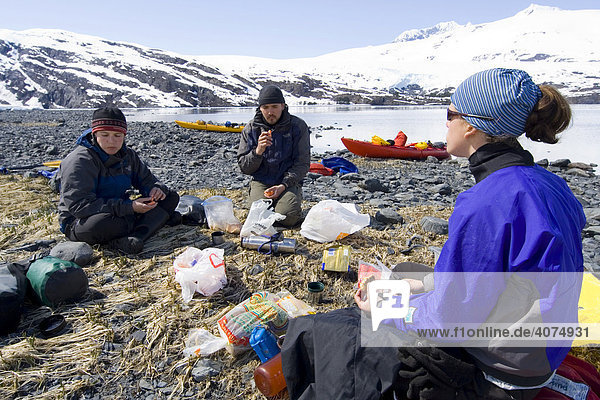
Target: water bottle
[(266, 245), (264, 343), (269, 377)]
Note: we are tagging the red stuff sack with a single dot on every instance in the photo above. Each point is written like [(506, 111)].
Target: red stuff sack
[(321, 169)]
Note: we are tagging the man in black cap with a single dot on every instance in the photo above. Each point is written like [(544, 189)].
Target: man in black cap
[(275, 149), (94, 179)]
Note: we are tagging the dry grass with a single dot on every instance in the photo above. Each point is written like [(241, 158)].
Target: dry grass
[(133, 294)]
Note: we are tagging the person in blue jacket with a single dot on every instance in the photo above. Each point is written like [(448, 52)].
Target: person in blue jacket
[(95, 179), (513, 258)]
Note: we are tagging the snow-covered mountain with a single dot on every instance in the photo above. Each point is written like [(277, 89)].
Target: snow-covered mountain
[(52, 68)]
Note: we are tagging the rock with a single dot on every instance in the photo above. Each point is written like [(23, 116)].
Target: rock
[(577, 172), (543, 162), (313, 175), (124, 307), (205, 368), (583, 201), (144, 384), (80, 253), (345, 193), (592, 215), (432, 159), (380, 203), (161, 384), (389, 216), (580, 165), (443, 189), (327, 180), (562, 163), (591, 231), (52, 150), (352, 176), (434, 224), (373, 185), (138, 336), (436, 252), (256, 269)]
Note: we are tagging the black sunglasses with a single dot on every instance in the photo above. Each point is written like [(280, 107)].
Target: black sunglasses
[(450, 115)]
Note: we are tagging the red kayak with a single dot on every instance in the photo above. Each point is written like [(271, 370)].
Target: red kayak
[(368, 149)]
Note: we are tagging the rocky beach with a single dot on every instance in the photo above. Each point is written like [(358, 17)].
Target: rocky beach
[(128, 333)]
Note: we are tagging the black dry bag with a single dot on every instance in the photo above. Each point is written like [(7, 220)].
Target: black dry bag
[(13, 287)]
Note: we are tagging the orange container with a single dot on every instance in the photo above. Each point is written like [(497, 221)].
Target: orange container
[(269, 377)]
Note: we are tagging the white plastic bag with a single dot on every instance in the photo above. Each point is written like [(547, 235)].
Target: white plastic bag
[(201, 271), (201, 342), (260, 219), (219, 214), (330, 220)]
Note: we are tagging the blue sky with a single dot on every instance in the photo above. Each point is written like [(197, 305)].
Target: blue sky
[(274, 29)]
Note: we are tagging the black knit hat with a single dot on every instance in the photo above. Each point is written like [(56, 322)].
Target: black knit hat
[(270, 94), (109, 119)]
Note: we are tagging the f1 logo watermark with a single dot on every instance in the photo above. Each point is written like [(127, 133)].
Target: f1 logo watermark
[(388, 299)]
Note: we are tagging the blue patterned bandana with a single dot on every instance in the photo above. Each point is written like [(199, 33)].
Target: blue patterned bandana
[(506, 95)]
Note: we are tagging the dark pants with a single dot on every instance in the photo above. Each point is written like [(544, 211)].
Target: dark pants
[(322, 358), (104, 227)]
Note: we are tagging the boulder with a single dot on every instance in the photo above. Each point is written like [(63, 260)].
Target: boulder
[(80, 253), (434, 224), (389, 216)]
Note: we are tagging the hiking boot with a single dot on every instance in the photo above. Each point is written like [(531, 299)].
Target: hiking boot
[(127, 244)]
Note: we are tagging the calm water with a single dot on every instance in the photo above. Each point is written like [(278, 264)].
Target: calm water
[(581, 142)]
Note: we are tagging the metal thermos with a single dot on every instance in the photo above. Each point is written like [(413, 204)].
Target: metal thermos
[(266, 245)]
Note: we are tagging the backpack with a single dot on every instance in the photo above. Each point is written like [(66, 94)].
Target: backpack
[(13, 287)]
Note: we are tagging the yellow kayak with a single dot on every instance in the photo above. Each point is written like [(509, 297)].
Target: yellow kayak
[(52, 164), (203, 126)]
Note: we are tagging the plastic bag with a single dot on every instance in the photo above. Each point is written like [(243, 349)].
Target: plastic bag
[(331, 220), (261, 308), (201, 342), (369, 272), (191, 210), (219, 214), (201, 271), (260, 219), (293, 307)]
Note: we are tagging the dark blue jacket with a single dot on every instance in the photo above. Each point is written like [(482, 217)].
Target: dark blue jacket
[(93, 182)]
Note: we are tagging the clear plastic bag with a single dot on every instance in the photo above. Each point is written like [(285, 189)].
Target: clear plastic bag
[(330, 220), (219, 214), (201, 271), (369, 272), (201, 342), (260, 219), (293, 307)]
